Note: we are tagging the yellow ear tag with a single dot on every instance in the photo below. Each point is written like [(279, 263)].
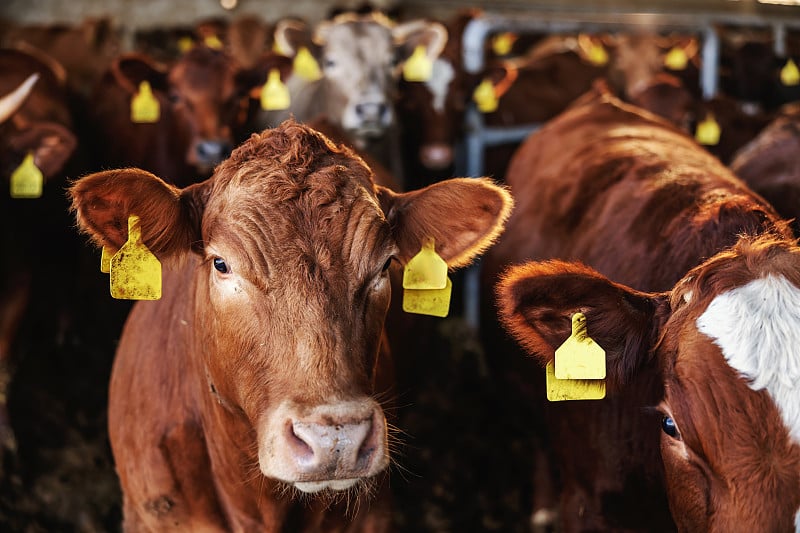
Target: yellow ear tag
[(426, 287), (185, 44), (485, 97), (676, 59), (426, 270), (105, 260), (274, 93), (708, 131), (144, 106), (597, 55), (135, 271), (579, 357), (572, 389), (502, 43), (27, 181), (434, 302), (789, 73), (212, 41), (418, 67), (306, 66)]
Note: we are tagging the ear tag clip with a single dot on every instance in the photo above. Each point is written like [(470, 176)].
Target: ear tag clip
[(572, 389), (597, 55), (708, 131), (790, 75), (503, 42), (27, 181), (418, 67), (145, 108), (105, 260), (306, 66), (135, 273), (426, 287), (485, 97), (579, 357), (676, 59), (274, 93)]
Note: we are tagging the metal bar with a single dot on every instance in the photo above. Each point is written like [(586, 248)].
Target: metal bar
[(709, 69)]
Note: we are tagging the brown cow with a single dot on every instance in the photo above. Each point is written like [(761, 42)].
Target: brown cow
[(257, 375), (770, 167), (633, 197), (203, 98), (35, 119)]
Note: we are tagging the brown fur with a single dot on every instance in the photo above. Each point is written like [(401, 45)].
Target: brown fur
[(629, 195), (200, 375)]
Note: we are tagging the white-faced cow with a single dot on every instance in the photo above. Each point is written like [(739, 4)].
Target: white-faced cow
[(615, 188), (360, 57), (257, 375)]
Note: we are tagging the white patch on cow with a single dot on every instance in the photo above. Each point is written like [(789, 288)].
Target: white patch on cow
[(797, 521), (687, 296), (757, 326), (441, 76)]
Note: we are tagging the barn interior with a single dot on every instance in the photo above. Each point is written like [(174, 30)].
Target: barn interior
[(463, 462)]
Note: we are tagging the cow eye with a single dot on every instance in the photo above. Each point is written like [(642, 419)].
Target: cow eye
[(221, 265), (668, 426), (386, 265), (328, 63)]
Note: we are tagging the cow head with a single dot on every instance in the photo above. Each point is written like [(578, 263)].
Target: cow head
[(360, 57), (291, 290), (34, 114), (198, 95), (725, 343)]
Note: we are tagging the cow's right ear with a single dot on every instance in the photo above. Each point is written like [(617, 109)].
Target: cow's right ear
[(169, 217), (536, 302), (291, 35), (130, 70)]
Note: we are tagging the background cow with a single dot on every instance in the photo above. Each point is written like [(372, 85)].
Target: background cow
[(273, 329), (633, 197)]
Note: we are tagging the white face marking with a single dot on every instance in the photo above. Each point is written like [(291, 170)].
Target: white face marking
[(441, 76), (757, 326)]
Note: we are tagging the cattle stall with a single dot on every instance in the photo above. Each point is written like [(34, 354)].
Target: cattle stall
[(460, 453)]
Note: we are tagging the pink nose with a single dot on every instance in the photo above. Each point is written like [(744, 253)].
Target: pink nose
[(436, 156), (333, 450)]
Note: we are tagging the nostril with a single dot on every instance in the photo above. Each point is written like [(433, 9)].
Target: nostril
[(300, 448)]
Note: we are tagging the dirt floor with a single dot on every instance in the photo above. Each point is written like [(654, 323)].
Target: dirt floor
[(461, 466)]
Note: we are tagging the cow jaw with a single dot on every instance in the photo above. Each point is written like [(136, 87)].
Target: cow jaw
[(330, 446)]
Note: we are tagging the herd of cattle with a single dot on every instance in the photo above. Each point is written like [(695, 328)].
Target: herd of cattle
[(257, 394)]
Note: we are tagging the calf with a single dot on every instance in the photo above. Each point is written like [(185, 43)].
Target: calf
[(202, 97), (628, 194), (258, 374)]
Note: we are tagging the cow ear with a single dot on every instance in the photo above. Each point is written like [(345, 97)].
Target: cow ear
[(51, 145), (129, 70), (408, 36), (170, 217), (250, 80), (536, 302), (290, 35), (463, 215)]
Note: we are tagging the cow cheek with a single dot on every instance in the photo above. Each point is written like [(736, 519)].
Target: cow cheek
[(687, 488)]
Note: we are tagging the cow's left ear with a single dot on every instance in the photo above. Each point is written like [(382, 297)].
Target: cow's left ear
[(170, 217), (536, 302), (51, 145), (408, 36), (463, 215)]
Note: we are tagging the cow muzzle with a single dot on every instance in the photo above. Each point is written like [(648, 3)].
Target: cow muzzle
[(207, 154), (368, 119), (331, 447)]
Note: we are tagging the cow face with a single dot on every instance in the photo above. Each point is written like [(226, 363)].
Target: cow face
[(360, 57), (291, 288), (725, 341)]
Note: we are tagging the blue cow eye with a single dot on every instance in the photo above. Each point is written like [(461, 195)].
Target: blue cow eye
[(668, 426), (220, 265)]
